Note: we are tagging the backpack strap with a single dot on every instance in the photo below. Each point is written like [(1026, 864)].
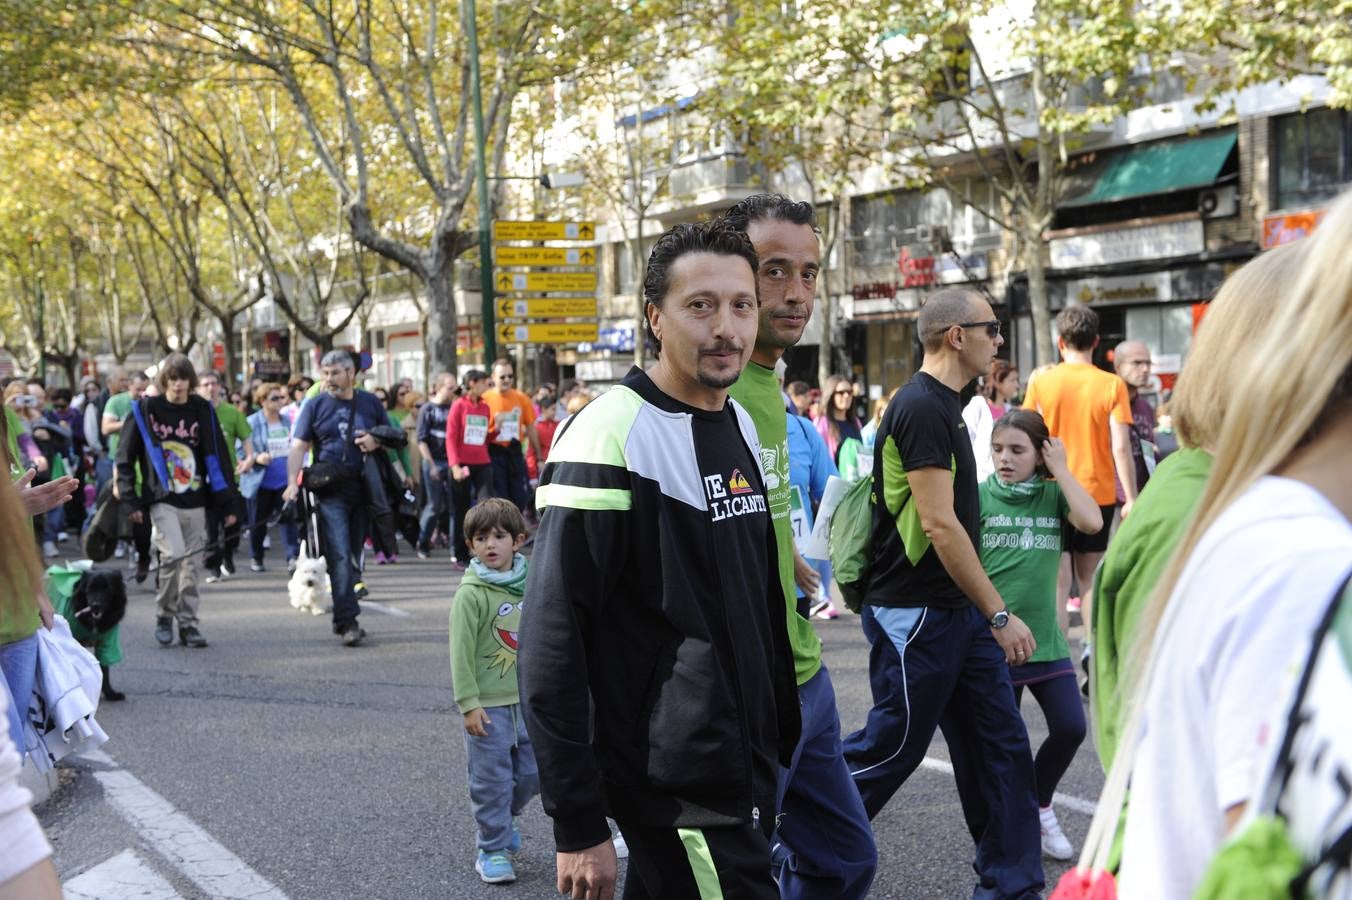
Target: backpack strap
[(153, 451)]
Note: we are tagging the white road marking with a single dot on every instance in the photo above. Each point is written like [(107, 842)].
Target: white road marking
[(123, 877), (1069, 801), (371, 606), (188, 848)]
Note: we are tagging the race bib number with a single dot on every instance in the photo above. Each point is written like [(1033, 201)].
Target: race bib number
[(798, 518), (476, 430), (509, 426)]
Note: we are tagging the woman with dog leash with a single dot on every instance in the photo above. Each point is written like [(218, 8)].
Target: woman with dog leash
[(23, 607), (186, 464), (26, 868)]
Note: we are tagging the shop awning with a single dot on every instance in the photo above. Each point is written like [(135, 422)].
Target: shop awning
[(1160, 167)]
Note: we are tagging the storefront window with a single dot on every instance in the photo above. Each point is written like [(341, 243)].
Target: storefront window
[(1314, 157)]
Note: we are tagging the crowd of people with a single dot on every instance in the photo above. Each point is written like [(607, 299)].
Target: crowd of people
[(1205, 544)]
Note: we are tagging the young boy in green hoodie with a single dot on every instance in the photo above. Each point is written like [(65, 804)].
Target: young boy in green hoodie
[(484, 623)]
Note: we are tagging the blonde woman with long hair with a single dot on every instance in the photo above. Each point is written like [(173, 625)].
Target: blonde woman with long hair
[(1218, 361), (1256, 568)]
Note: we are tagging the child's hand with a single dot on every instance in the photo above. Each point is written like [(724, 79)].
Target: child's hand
[(476, 722), (1054, 457)]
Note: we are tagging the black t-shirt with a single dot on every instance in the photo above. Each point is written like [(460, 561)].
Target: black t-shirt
[(922, 428), (181, 431), (432, 429)]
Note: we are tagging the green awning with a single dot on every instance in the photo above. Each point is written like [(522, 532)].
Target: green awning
[(1160, 167)]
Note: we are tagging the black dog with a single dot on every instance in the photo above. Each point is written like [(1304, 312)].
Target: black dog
[(95, 608)]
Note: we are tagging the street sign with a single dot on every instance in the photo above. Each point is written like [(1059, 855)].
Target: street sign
[(544, 231), (545, 281), (545, 256), (547, 308), (548, 333)]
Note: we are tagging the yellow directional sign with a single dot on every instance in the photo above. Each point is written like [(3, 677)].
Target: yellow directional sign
[(551, 307), (548, 333), (545, 281), (545, 256), (544, 231)]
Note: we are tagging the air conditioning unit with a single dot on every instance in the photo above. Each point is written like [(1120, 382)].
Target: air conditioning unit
[(1218, 202)]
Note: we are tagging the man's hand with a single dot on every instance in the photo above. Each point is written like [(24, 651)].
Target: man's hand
[(291, 492), (1126, 508), (244, 465), (459, 473), (477, 722), (1016, 640), (366, 443), (230, 520), (588, 874), (45, 611), (44, 497), (136, 516), (433, 472), (40, 463), (807, 577), (408, 482)]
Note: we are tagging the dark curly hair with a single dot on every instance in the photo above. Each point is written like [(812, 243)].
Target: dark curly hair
[(717, 236)]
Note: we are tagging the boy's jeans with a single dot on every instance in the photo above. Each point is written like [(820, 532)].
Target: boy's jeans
[(502, 775)]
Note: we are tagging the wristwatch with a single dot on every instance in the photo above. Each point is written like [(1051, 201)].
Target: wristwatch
[(1000, 619)]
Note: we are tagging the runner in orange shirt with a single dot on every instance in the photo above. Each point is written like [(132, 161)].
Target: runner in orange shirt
[(513, 414), (1088, 409)]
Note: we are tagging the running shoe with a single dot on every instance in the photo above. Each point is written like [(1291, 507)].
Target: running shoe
[(1055, 844), (1072, 604), (824, 609), (495, 868)]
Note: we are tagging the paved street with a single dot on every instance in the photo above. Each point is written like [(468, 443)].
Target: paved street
[(278, 763)]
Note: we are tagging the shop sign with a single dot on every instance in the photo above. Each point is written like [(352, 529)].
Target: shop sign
[(916, 271), (1151, 287), (952, 273), (617, 340), (1158, 241), (875, 290), (1284, 229)]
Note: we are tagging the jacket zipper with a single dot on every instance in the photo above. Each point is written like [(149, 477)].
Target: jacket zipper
[(747, 763)]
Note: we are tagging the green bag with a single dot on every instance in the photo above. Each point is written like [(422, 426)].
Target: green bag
[(851, 542)]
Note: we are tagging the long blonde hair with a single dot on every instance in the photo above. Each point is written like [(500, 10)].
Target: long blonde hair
[(1301, 375), (1221, 355)]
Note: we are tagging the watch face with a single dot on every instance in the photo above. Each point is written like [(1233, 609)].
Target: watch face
[(1000, 619)]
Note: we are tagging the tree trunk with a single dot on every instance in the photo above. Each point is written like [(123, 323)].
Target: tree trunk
[(227, 323), (440, 342), (1043, 349), (640, 306)]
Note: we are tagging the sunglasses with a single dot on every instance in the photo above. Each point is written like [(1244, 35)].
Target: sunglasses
[(992, 327), (275, 398), (843, 392)]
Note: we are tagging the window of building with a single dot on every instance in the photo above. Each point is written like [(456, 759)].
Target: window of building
[(1313, 157)]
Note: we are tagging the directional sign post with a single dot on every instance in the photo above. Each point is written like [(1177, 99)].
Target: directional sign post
[(545, 256), (545, 282), (548, 333), (544, 231), (546, 308)]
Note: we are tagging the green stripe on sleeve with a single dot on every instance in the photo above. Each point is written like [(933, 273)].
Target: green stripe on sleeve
[(701, 863), (576, 497)]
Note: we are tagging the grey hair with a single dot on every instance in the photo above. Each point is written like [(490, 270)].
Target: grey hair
[(338, 358)]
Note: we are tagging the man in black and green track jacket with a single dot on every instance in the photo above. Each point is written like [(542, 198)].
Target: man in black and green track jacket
[(656, 673)]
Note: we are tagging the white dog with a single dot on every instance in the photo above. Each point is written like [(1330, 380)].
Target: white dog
[(309, 586)]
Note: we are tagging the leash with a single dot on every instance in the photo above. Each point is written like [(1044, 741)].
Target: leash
[(211, 545)]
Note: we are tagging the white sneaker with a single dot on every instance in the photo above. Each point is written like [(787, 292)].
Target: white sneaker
[(49, 549), (621, 847), (62, 537), (121, 550), (1054, 841)]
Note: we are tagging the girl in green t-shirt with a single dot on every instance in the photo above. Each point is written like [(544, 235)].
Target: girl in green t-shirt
[(1024, 515)]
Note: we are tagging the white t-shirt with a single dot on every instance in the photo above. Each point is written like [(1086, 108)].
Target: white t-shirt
[(20, 835), (1250, 595)]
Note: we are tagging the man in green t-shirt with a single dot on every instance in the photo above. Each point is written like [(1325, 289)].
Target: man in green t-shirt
[(823, 844), (111, 423), (223, 542)]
